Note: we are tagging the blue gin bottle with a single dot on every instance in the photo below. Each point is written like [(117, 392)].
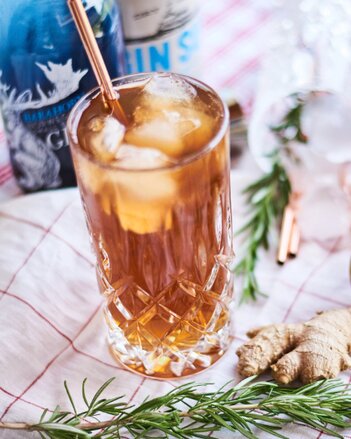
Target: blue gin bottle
[(43, 72)]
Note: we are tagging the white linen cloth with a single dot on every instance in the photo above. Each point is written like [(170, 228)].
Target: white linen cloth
[(51, 322)]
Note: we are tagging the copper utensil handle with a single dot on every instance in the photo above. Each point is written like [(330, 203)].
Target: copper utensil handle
[(88, 38), (294, 243), (285, 234)]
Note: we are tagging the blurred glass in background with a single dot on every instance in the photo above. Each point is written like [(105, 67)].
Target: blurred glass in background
[(304, 105)]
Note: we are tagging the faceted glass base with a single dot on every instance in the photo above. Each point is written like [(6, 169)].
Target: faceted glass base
[(170, 367), (163, 343)]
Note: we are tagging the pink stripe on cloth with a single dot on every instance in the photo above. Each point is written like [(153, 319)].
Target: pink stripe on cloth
[(31, 223), (14, 296), (5, 174), (242, 35), (215, 19), (36, 247), (71, 341), (331, 300), (25, 401), (4, 169), (251, 66), (137, 389), (49, 364), (312, 273)]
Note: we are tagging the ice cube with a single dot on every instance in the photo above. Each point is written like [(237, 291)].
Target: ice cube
[(151, 185), (169, 87), (324, 213), (133, 157), (196, 128), (170, 116), (105, 136), (175, 130), (144, 199), (326, 120), (157, 133), (165, 95)]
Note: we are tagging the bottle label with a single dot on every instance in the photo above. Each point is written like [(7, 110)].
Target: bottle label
[(161, 35), (36, 126)]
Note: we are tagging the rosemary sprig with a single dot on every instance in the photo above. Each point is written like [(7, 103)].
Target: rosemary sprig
[(289, 128), (266, 198), (189, 411)]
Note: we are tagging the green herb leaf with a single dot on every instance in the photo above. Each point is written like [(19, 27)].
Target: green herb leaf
[(267, 198)]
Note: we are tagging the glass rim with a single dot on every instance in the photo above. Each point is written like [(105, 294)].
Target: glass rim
[(76, 111)]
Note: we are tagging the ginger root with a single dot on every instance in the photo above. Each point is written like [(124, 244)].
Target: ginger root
[(308, 351)]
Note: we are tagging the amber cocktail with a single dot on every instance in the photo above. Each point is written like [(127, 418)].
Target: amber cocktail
[(157, 204)]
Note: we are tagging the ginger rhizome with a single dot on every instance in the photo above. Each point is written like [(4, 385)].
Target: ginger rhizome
[(319, 348)]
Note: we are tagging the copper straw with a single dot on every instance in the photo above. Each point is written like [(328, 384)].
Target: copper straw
[(286, 229), (92, 49), (294, 240)]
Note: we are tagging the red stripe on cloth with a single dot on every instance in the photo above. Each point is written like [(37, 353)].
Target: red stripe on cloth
[(137, 389), (237, 37), (38, 226), (33, 382), (130, 400), (4, 177), (248, 105), (5, 180), (327, 299), (22, 220), (36, 247), (311, 274), (5, 168), (25, 400), (325, 245), (314, 294), (249, 67), (47, 367), (98, 360), (78, 351), (216, 18), (14, 296), (77, 252)]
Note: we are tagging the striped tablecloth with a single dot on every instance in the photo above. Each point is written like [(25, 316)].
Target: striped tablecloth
[(50, 312), (51, 323)]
